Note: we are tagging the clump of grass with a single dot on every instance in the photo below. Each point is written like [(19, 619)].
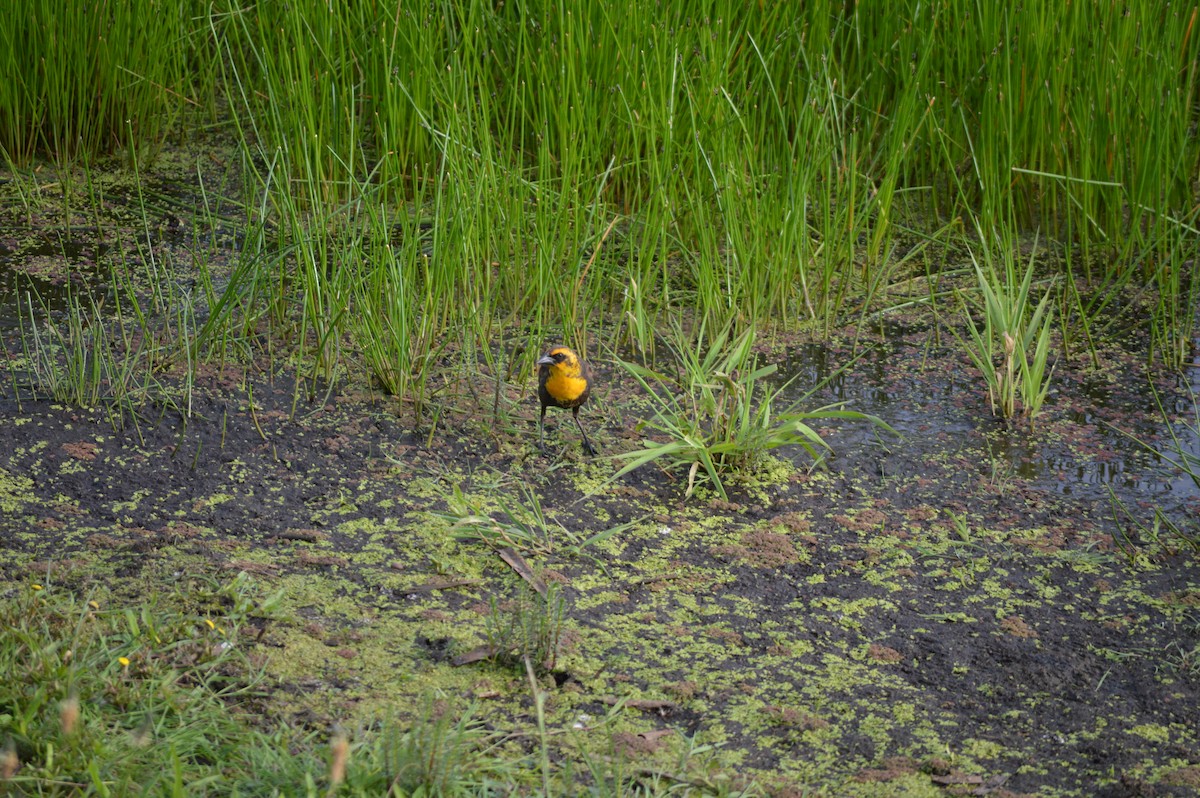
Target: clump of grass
[(69, 359), (117, 700), (718, 416), (140, 338), (528, 628), (522, 525), (1011, 344), (518, 523), (441, 753), (93, 355)]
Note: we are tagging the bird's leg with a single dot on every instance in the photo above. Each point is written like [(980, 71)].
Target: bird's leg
[(587, 445)]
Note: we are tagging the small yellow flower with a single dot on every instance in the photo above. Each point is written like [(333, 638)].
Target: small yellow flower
[(211, 625), (94, 604), (124, 661)]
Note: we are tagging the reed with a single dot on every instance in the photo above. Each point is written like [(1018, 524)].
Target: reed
[(590, 174)]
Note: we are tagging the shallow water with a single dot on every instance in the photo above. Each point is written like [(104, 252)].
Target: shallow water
[(1076, 447), (39, 273)]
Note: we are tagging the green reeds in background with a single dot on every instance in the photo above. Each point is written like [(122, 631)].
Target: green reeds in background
[(83, 78), (588, 172)]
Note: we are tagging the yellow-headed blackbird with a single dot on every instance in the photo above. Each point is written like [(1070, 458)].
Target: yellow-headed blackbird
[(563, 381)]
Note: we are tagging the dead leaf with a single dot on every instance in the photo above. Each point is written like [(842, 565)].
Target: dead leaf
[(83, 450), (306, 535), (956, 778), (477, 654), (518, 564), (438, 584), (256, 568)]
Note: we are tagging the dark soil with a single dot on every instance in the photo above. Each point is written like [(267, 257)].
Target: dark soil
[(967, 609)]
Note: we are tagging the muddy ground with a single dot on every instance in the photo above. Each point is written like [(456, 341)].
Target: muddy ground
[(964, 609)]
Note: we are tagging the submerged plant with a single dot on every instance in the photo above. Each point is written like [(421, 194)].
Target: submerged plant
[(719, 416), (1011, 346)]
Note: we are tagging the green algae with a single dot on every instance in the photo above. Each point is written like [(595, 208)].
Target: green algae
[(15, 492)]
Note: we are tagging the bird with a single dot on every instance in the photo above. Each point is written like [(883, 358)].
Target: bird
[(564, 380)]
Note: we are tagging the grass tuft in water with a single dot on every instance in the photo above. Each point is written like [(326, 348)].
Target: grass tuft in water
[(1010, 344), (718, 416)]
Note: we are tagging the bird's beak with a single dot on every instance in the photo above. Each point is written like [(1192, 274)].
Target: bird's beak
[(545, 360)]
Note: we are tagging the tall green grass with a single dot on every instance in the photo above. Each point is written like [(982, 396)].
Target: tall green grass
[(428, 180), (85, 78)]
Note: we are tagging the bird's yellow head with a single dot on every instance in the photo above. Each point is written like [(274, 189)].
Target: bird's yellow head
[(562, 378), (562, 362)]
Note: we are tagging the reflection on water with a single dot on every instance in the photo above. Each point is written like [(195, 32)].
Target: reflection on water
[(46, 272), (951, 405)]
